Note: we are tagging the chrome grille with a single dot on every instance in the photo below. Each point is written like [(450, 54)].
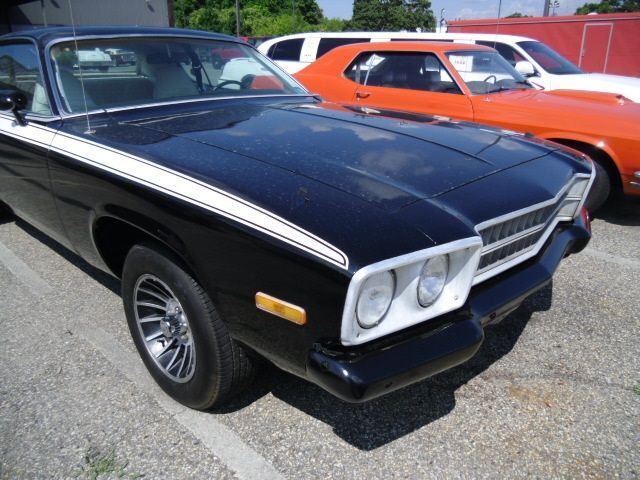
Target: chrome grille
[(510, 238)]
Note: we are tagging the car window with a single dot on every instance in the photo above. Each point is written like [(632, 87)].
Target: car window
[(20, 70), (508, 52), (328, 44), (549, 59), (146, 70), (404, 70), (486, 71), (286, 50)]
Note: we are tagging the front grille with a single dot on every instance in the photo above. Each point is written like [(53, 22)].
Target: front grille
[(511, 238)]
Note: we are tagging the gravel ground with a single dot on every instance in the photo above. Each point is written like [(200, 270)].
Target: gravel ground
[(553, 393)]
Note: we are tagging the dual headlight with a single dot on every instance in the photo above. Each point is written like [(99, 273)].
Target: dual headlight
[(378, 290), (397, 293)]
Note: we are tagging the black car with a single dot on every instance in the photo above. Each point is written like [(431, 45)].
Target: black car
[(360, 249)]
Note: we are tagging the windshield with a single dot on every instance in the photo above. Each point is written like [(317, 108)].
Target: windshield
[(549, 59), (123, 72), (486, 71)]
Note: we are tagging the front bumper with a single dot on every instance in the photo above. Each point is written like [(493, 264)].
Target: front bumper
[(358, 374)]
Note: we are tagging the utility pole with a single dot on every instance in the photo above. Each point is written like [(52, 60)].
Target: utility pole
[(545, 12), (237, 18)]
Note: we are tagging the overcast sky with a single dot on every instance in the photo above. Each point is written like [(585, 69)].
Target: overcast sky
[(465, 8)]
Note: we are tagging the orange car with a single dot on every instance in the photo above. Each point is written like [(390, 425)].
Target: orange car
[(475, 83)]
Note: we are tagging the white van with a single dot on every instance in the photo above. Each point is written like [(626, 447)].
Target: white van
[(544, 67)]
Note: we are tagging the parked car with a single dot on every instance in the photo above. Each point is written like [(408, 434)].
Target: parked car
[(245, 217), (94, 59), (121, 57), (475, 83), (544, 67)]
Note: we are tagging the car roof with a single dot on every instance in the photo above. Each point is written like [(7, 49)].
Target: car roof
[(413, 46), (406, 35), (45, 35)]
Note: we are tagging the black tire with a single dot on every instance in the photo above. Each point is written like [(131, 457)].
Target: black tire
[(5, 212), (222, 367), (600, 189)]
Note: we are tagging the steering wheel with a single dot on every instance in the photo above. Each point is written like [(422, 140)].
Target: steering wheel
[(495, 79), (227, 82)]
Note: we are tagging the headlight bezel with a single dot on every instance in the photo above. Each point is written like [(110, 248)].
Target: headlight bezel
[(405, 309)]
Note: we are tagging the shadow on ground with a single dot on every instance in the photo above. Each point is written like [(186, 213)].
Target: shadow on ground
[(103, 278), (620, 210), (371, 425)]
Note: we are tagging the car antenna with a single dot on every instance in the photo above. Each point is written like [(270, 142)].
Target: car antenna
[(89, 131), (495, 38)]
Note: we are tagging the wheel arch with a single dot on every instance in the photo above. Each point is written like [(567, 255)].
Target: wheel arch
[(596, 149), (113, 236)]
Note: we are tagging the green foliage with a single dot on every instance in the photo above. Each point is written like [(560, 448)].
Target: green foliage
[(609, 6), (517, 15), (382, 15), (257, 17)]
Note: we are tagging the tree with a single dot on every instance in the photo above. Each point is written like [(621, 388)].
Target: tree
[(609, 6), (517, 15), (257, 17), (381, 15)]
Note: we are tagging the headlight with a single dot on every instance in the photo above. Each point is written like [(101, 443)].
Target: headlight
[(399, 292), (432, 279), (375, 299)]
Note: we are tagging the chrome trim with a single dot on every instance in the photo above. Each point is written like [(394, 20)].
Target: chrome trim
[(635, 184), (636, 174), (515, 237), (532, 251), (64, 114), (195, 100)]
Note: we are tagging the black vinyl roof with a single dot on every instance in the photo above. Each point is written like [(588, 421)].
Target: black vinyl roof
[(45, 35)]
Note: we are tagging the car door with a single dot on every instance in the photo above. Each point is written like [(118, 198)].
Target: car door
[(412, 81), (24, 175)]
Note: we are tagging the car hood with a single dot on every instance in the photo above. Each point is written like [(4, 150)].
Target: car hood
[(387, 158), (600, 82)]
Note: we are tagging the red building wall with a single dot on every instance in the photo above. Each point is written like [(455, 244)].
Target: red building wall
[(597, 43)]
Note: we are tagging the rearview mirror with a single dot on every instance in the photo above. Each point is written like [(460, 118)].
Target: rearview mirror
[(525, 69), (13, 101)]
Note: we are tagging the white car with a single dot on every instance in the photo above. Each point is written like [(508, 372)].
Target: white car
[(544, 67)]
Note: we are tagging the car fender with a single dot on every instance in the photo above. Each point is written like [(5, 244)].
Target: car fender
[(596, 142)]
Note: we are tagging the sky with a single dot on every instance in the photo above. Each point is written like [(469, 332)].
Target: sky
[(464, 9)]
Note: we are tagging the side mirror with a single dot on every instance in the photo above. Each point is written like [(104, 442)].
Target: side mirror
[(13, 101), (525, 69)]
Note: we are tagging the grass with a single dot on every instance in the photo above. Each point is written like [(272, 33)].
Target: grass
[(99, 464), (637, 389)]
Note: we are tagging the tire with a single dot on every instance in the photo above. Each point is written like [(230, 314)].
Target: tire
[(104, 68), (600, 189), (5, 212), (201, 366)]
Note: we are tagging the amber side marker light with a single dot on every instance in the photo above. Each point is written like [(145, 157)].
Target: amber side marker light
[(281, 309)]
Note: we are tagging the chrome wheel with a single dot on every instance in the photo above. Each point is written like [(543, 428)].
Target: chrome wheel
[(164, 328)]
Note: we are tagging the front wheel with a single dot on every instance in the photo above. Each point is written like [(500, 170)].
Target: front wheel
[(183, 342)]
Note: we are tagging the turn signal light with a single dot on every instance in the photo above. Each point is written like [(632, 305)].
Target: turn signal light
[(281, 309)]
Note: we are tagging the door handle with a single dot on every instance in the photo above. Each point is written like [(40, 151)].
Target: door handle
[(360, 95)]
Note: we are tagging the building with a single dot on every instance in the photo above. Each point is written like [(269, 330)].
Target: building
[(25, 14)]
